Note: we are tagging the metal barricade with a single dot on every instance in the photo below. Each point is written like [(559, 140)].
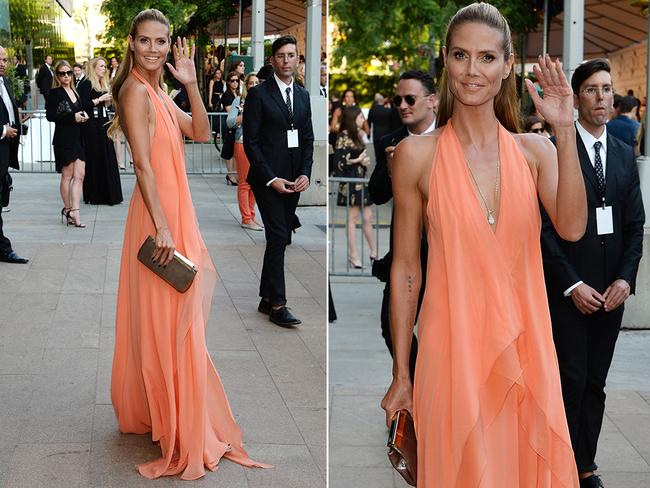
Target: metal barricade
[(37, 156), (339, 255)]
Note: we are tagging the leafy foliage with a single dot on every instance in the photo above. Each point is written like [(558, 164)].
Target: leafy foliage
[(403, 34)]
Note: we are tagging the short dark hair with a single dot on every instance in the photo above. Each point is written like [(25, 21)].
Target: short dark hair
[(585, 70), (282, 41), (627, 104), (77, 65), (422, 77), (617, 99)]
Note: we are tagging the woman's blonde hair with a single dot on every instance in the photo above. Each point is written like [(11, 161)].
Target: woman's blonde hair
[(55, 79), (98, 84), (506, 104), (245, 89), (127, 63)]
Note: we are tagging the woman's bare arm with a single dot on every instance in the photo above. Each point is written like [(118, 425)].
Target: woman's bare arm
[(136, 119)]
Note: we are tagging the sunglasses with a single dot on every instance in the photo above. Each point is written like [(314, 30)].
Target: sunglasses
[(234, 80), (409, 99), (64, 73), (537, 131)]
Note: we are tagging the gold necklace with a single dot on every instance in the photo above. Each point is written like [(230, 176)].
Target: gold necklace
[(490, 213)]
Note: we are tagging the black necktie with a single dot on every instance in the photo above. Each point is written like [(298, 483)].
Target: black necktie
[(598, 166), (288, 102)]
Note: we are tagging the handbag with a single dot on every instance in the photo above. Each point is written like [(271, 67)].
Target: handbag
[(402, 447), (180, 271), (228, 145)]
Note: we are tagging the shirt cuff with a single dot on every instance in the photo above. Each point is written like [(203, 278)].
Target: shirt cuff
[(568, 291), (4, 132), (271, 181)]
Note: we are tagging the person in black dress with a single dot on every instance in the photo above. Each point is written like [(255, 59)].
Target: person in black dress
[(217, 87), (102, 183), (231, 92), (63, 107), (351, 160)]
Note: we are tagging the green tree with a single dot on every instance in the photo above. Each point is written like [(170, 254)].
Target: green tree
[(405, 33)]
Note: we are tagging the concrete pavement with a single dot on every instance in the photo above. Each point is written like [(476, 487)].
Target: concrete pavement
[(360, 372), (57, 319)]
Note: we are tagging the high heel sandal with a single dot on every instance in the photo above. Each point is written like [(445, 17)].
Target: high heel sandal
[(230, 182), (63, 214), (72, 221), (355, 264)]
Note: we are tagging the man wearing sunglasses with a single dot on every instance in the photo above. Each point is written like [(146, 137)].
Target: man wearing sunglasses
[(416, 102)]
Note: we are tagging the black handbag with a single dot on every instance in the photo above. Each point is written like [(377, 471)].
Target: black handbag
[(7, 186), (228, 146)]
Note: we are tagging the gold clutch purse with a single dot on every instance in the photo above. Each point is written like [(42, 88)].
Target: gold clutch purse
[(402, 447), (179, 273)]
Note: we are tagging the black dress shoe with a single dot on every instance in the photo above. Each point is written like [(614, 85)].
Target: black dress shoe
[(12, 257), (283, 317), (592, 481), (264, 306)]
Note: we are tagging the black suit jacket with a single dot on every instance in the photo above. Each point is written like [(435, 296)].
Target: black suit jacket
[(44, 80), (380, 186), (59, 109), (8, 147), (599, 260), (265, 125)]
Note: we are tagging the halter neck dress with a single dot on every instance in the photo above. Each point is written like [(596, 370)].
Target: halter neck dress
[(488, 407), (163, 379)]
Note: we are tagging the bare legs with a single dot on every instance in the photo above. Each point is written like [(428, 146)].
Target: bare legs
[(72, 178), (353, 218)]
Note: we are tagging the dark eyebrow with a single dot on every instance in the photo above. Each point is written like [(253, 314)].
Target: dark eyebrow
[(486, 51)]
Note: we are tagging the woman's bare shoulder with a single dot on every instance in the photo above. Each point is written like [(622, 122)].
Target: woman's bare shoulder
[(534, 146), (133, 90)]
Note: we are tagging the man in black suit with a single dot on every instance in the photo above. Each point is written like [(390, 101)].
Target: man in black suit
[(9, 139), (44, 77), (416, 102), (588, 281), (79, 74), (279, 143)]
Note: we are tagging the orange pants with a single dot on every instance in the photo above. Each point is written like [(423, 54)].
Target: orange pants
[(245, 196)]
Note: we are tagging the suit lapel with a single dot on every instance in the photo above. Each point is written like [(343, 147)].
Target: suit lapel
[(611, 168), (585, 163), (275, 95)]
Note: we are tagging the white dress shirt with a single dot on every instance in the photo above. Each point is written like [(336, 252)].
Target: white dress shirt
[(429, 130), (589, 141), (283, 93), (4, 94)]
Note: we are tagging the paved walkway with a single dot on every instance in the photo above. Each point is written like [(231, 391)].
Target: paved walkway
[(57, 427), (360, 372)]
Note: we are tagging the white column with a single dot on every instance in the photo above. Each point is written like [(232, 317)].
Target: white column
[(574, 33), (257, 33), (312, 68)]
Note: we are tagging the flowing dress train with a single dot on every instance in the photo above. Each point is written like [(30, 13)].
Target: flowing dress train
[(163, 379), (488, 407)]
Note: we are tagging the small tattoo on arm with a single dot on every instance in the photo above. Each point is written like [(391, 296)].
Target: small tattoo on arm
[(410, 283)]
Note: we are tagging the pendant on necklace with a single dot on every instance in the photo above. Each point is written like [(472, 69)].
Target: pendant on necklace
[(490, 218)]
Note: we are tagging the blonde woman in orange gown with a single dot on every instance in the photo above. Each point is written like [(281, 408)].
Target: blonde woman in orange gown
[(164, 381), (486, 398)]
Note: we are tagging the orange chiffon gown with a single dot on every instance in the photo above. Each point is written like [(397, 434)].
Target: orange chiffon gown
[(488, 407), (163, 379)]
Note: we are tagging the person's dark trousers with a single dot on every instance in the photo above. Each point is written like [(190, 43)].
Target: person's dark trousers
[(585, 347), (5, 244), (277, 211)]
